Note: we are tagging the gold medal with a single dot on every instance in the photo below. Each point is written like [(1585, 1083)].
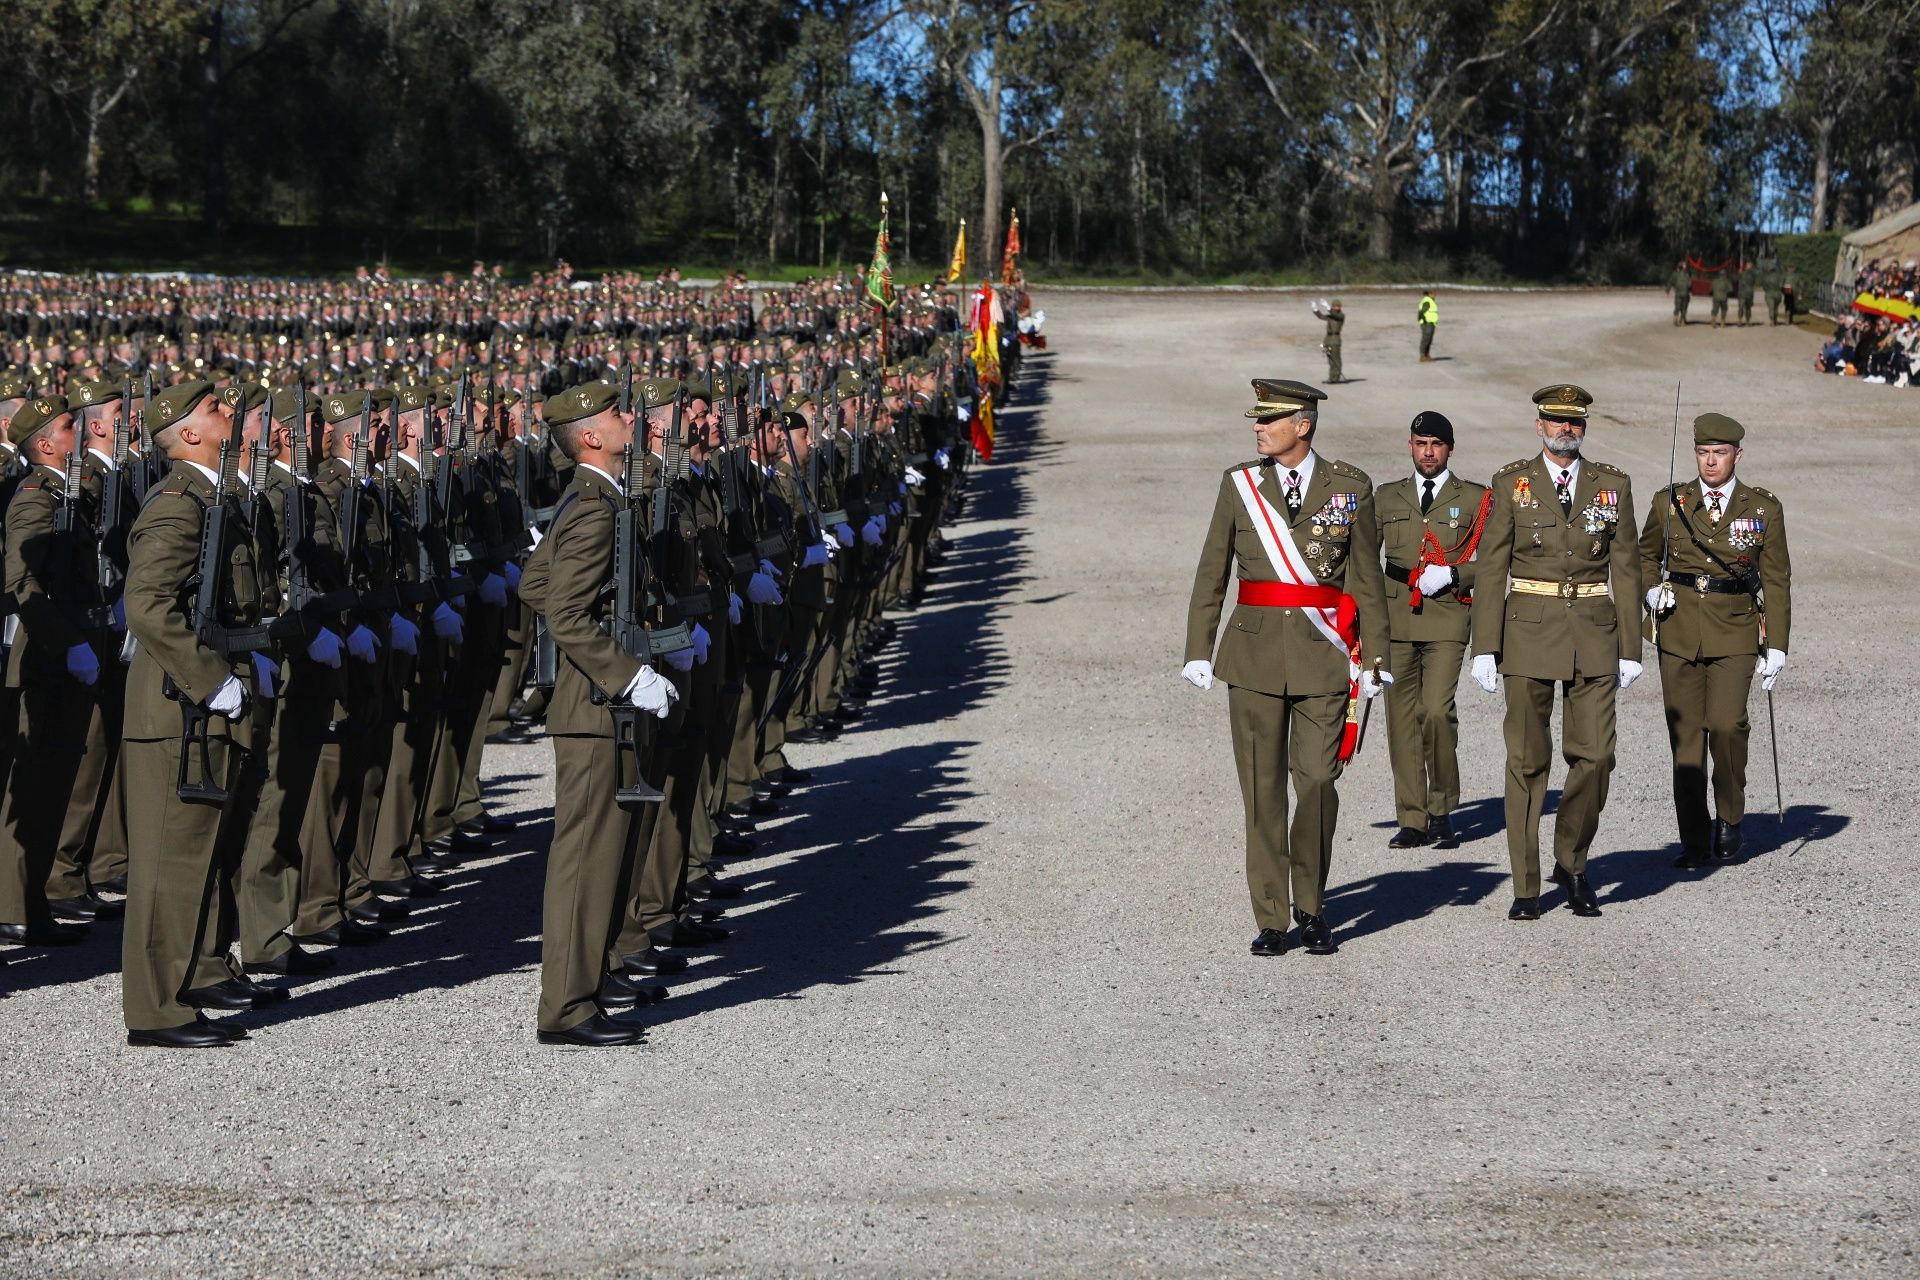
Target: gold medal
[(1596, 547), (1318, 530)]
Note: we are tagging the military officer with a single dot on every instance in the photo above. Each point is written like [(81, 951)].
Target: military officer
[(1306, 641), (1557, 605), (1770, 286), (1743, 293), (1430, 526), (595, 840), (1336, 320), (1720, 290), (1715, 550), (1681, 282)]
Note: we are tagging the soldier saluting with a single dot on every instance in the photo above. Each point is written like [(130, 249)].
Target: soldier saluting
[(1558, 605), (1306, 642), (1715, 551)]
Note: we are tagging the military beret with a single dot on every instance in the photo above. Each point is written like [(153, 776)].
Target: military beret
[(850, 385), (699, 387), (1717, 428), (655, 392), (1434, 425), (793, 400), (33, 415), (1278, 397), (342, 405), (286, 404), (176, 402), (82, 394), (1562, 400), (13, 388), (246, 396), (576, 404), (793, 421), (410, 399), (381, 396), (918, 367)]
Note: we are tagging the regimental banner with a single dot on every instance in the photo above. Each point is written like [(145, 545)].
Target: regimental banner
[(1872, 304)]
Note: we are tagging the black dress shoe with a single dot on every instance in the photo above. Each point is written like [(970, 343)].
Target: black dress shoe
[(436, 858), (1440, 831), (194, 1035), (411, 887), (1270, 942), (1580, 899), (762, 807), (228, 1027), (596, 1032), (52, 935), (1407, 838), (496, 826), (1727, 843), (651, 964), (465, 840), (685, 933), (378, 911), (1315, 936), (798, 777), (117, 884), (221, 995), (293, 964), (1524, 909), (1693, 860), (618, 991), (347, 933), (729, 844), (264, 996), (710, 888), (78, 910)]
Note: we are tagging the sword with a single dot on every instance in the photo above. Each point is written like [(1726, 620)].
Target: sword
[(1366, 711), (1773, 734)]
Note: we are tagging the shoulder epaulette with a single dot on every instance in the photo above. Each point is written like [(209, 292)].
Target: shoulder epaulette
[(1348, 469), (1249, 466), (1608, 467), (1512, 467)]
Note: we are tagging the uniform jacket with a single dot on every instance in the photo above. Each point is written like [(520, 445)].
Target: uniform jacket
[(1555, 637), (1396, 505), (54, 580), (566, 579), (1279, 651), (1751, 538)]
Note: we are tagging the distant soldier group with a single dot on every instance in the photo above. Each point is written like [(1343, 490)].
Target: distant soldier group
[(1342, 591), (1735, 284), (282, 557)]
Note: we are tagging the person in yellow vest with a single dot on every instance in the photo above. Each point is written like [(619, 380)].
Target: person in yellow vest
[(1715, 551), (1429, 317), (1558, 604), (1305, 644)]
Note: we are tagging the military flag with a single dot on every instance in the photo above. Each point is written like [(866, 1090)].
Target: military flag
[(880, 272), (985, 323), (958, 267), (1010, 260)]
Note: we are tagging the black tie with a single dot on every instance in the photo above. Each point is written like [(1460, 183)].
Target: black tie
[(1293, 493), (1563, 484), (1426, 497)]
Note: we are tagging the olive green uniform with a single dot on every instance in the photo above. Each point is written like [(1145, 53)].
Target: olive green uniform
[(1288, 685), (1544, 609), (1720, 290), (1732, 585), (1428, 643), (1681, 283), (1336, 320)]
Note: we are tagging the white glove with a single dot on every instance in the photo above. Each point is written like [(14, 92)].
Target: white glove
[(493, 591), (266, 675), (870, 532), (1486, 672), (843, 534), (1374, 683), (914, 476), (1769, 666), (1629, 672), (534, 534), (228, 699), (761, 588), (772, 570), (702, 643), (1434, 579), (680, 660), (83, 664), (651, 692), (512, 572), (1198, 673), (363, 645), (325, 649), (120, 614), (1660, 598), (962, 410), (447, 624), (816, 555), (403, 635), (940, 455), (733, 608)]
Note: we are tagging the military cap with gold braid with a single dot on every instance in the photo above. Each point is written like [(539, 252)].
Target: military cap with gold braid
[(33, 415), (587, 400), (1278, 397), (1562, 400), (1717, 428)]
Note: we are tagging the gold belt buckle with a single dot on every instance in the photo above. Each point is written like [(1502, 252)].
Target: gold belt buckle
[(1566, 591), (1700, 581)]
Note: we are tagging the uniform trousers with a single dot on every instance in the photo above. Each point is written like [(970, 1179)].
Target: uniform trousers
[(1707, 717), (1587, 744), (1423, 729), (590, 868), (1276, 737)]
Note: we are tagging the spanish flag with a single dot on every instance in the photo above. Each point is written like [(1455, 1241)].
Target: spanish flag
[(1010, 260), (985, 324), (958, 267)]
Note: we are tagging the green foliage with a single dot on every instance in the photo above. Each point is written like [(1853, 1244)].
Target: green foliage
[(1810, 257)]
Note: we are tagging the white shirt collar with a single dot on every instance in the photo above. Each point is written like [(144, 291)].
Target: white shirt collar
[(617, 486), (411, 461), (1554, 469), (1304, 468), (213, 477), (106, 459), (1438, 482), (1725, 491)]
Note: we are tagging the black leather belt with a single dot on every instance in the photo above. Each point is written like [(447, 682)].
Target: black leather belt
[(1400, 573), (1707, 584)]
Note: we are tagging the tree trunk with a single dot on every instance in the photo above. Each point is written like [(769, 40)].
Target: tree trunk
[(90, 168), (1139, 185), (1822, 171), (1382, 196), (991, 161), (213, 195)]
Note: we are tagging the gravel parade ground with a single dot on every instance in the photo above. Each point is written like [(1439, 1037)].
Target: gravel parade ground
[(989, 1008)]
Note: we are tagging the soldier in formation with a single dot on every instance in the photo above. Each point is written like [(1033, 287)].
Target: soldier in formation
[(1343, 591), (278, 557)]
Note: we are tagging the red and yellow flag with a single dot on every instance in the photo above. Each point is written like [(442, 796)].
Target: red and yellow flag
[(958, 267), (1010, 260), (985, 324)]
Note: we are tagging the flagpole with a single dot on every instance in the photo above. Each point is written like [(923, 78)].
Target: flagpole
[(883, 310)]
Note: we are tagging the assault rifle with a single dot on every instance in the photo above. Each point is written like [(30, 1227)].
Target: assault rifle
[(304, 600), (629, 623)]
